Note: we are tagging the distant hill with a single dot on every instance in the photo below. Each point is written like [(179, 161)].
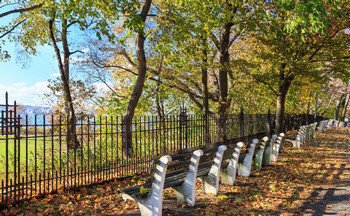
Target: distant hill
[(31, 111), (34, 110)]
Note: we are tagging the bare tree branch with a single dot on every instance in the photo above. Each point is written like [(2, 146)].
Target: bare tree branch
[(11, 29), (234, 39), (76, 51), (107, 85), (321, 45), (263, 82), (20, 10), (215, 40)]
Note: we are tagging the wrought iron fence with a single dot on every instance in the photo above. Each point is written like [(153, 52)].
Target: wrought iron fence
[(35, 158)]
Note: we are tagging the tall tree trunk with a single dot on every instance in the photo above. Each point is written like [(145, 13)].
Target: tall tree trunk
[(281, 100), (284, 84), (308, 108), (161, 115), (63, 66), (159, 101), (205, 90), (140, 82), (224, 59), (337, 107), (71, 126), (346, 104)]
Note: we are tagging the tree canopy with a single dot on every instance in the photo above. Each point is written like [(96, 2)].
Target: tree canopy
[(213, 56)]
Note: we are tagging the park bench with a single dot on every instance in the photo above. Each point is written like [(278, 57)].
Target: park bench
[(230, 164), (150, 203), (180, 173), (331, 123), (277, 146), (336, 123), (245, 160), (305, 134), (242, 163), (266, 160), (323, 125), (259, 154)]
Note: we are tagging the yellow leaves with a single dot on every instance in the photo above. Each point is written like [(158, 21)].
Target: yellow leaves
[(272, 187), (222, 197), (65, 198), (83, 190)]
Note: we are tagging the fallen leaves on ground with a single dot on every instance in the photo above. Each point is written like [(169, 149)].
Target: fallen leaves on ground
[(280, 189)]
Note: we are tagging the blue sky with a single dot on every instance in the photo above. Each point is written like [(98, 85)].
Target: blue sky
[(26, 79)]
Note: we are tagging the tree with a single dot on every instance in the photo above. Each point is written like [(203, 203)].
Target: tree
[(12, 8), (140, 82), (301, 40), (53, 24), (202, 33)]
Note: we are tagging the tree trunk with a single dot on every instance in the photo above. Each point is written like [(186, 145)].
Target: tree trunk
[(161, 115), (346, 104), (284, 84), (140, 82), (205, 91), (224, 59), (281, 100), (63, 66), (337, 107), (70, 111)]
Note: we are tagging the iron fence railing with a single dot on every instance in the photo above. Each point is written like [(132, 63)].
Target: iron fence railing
[(35, 158)]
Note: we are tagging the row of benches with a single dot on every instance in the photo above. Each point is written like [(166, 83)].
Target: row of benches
[(305, 134), (332, 123), (180, 172)]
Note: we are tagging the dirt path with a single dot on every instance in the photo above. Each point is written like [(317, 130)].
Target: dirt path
[(335, 198)]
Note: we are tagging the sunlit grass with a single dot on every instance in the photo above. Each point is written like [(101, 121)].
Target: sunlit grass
[(26, 149)]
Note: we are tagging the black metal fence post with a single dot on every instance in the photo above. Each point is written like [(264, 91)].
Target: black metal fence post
[(183, 128), (268, 124), (206, 130), (241, 124)]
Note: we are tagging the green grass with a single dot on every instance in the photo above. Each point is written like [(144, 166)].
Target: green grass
[(28, 149), (22, 144), (31, 147)]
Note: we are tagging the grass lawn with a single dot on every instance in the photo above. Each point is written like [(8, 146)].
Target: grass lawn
[(27, 151)]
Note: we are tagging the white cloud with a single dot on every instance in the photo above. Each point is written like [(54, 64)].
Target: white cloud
[(25, 94), (101, 87), (55, 74), (77, 59), (86, 50), (33, 95)]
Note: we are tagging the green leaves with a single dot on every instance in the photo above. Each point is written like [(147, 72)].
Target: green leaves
[(144, 190)]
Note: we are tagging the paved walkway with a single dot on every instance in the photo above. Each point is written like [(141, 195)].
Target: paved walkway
[(333, 199)]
